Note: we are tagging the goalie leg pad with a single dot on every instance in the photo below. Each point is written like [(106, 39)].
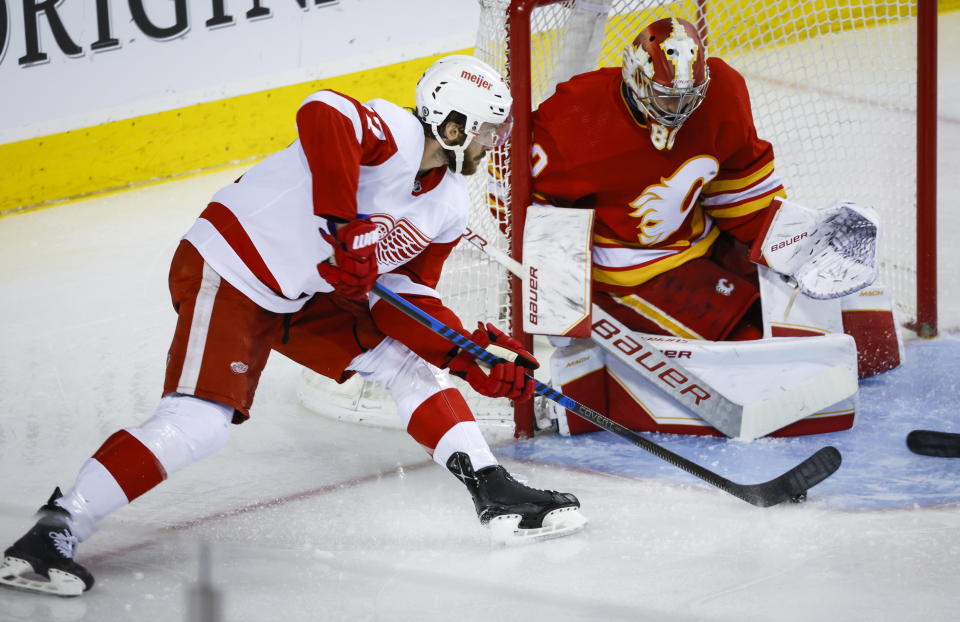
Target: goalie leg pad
[(762, 368), (868, 317), (786, 313), (578, 370)]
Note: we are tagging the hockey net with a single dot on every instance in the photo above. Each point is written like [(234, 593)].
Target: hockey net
[(833, 85)]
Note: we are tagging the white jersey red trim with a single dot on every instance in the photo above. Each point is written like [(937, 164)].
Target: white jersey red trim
[(262, 233)]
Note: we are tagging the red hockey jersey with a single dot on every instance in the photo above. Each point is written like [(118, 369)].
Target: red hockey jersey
[(661, 196)]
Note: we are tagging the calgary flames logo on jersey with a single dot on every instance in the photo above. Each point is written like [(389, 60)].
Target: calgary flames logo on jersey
[(663, 207), (400, 241)]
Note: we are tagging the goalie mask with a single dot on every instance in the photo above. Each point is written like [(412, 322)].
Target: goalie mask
[(665, 70), (466, 85)]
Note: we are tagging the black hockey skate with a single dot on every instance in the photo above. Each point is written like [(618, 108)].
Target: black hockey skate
[(515, 512), (46, 551)]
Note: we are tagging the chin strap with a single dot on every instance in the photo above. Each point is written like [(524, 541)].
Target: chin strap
[(457, 150)]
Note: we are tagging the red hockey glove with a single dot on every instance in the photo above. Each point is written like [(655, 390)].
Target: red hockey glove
[(502, 380), (353, 269)]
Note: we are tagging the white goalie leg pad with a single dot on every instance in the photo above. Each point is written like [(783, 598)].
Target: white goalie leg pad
[(762, 368), (786, 313), (574, 362), (411, 382), (505, 530)]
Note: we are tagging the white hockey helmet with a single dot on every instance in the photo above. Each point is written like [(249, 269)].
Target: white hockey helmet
[(467, 85)]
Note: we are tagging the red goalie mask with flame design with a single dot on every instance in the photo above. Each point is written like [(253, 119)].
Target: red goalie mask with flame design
[(665, 70)]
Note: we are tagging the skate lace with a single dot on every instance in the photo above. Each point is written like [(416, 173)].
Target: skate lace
[(524, 485), (65, 543)]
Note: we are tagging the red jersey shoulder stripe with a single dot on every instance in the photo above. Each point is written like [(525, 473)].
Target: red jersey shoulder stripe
[(372, 133), (338, 135)]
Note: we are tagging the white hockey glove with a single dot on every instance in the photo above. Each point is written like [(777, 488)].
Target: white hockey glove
[(828, 252)]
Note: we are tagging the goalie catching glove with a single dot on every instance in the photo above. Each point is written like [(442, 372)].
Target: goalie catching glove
[(353, 269), (508, 379), (828, 253)]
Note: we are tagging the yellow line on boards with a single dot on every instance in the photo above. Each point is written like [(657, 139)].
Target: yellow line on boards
[(77, 164)]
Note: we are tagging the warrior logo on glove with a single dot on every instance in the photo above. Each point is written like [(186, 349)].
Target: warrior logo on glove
[(353, 269)]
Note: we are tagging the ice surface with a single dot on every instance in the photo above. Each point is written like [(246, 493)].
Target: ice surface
[(314, 519)]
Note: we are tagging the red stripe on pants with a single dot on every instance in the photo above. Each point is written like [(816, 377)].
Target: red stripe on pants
[(131, 463), (436, 416)]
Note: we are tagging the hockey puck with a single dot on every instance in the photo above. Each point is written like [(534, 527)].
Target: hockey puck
[(799, 498)]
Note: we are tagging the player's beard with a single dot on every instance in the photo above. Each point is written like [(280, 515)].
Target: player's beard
[(470, 166)]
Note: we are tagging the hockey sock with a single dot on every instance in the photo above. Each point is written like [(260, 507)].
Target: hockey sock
[(443, 424), (132, 461), (433, 413)]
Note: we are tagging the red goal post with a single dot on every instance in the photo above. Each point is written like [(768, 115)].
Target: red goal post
[(844, 89)]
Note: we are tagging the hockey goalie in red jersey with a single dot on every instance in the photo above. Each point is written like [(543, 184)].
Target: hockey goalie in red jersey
[(685, 195), (283, 260)]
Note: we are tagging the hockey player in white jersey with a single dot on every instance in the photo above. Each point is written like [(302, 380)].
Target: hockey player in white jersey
[(283, 260)]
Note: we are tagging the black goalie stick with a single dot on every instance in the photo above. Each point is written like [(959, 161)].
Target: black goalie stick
[(790, 486), (933, 443)]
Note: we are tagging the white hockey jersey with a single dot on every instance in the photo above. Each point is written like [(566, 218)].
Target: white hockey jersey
[(262, 233)]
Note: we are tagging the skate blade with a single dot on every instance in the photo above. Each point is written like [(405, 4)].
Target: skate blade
[(15, 573), (505, 530)]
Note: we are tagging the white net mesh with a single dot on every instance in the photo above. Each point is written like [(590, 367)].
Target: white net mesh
[(833, 86)]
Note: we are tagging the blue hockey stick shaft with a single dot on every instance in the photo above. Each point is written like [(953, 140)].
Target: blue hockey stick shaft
[(791, 485)]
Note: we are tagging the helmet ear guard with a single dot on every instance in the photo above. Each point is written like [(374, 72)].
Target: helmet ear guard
[(466, 85), (665, 70)]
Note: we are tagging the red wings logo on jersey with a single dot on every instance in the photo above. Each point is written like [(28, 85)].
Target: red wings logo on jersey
[(400, 241), (663, 208)]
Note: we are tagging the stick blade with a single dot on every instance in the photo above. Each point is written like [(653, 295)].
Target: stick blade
[(933, 443), (794, 484)]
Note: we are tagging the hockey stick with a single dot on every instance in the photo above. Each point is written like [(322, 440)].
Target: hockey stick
[(736, 420), (791, 486), (933, 443)]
